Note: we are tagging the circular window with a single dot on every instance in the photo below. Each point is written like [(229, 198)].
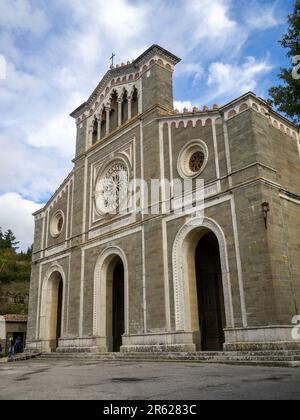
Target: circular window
[(111, 188), (196, 161), (193, 159), (57, 224)]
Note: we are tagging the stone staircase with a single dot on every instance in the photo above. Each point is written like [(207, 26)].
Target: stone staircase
[(257, 358)]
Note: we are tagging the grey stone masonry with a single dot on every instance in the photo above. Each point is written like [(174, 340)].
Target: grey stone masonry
[(132, 282)]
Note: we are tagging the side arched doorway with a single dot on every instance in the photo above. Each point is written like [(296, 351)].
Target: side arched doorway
[(51, 320), (110, 299)]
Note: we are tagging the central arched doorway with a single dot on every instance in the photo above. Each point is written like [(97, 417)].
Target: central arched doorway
[(211, 310), (111, 300), (115, 303)]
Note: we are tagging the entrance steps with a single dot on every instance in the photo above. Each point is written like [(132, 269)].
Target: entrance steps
[(264, 358)]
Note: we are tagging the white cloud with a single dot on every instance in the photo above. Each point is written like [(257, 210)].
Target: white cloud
[(44, 126), (14, 91), (16, 214), (180, 105), (22, 15), (8, 47), (58, 132), (191, 69), (214, 14), (2, 67), (265, 19), (124, 16), (229, 80), (105, 26), (212, 28), (30, 171)]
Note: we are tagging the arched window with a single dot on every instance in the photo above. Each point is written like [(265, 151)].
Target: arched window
[(134, 103), (113, 117), (103, 124), (125, 108)]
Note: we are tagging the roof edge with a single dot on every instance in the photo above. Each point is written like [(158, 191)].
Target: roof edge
[(53, 195), (173, 57)]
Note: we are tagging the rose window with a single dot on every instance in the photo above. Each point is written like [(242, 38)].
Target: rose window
[(112, 188)]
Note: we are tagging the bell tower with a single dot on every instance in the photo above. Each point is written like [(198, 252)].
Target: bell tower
[(125, 92)]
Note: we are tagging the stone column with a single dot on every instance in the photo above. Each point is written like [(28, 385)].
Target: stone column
[(129, 106), (107, 109), (99, 126), (90, 134), (119, 111)]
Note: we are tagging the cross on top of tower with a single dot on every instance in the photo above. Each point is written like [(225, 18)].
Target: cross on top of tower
[(112, 58)]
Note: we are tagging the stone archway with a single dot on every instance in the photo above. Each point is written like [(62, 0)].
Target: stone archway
[(52, 309), (111, 299), (185, 276)]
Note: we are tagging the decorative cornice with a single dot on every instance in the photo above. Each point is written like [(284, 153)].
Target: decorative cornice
[(156, 49)]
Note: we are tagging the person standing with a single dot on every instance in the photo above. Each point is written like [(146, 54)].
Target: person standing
[(11, 349)]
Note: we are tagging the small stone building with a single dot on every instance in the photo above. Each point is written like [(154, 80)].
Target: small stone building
[(12, 327), (168, 281)]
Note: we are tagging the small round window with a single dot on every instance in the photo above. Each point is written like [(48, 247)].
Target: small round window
[(193, 159), (57, 224)]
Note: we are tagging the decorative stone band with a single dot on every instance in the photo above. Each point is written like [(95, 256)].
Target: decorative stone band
[(55, 250), (226, 113), (191, 121)]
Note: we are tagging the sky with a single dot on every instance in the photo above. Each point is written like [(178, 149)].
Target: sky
[(54, 53)]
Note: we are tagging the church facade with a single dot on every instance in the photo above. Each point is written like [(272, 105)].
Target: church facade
[(227, 277)]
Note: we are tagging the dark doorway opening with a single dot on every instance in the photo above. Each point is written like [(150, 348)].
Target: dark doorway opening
[(211, 307), (59, 312), (118, 306)]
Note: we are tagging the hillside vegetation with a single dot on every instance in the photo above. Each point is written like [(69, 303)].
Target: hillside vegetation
[(15, 270)]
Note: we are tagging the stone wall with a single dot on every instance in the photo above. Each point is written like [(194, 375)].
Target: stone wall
[(157, 88), (249, 162)]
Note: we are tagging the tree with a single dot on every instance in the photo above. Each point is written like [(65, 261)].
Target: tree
[(7, 265), (8, 240), (14, 267), (2, 240), (286, 97), (15, 271), (29, 252), (11, 240)]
